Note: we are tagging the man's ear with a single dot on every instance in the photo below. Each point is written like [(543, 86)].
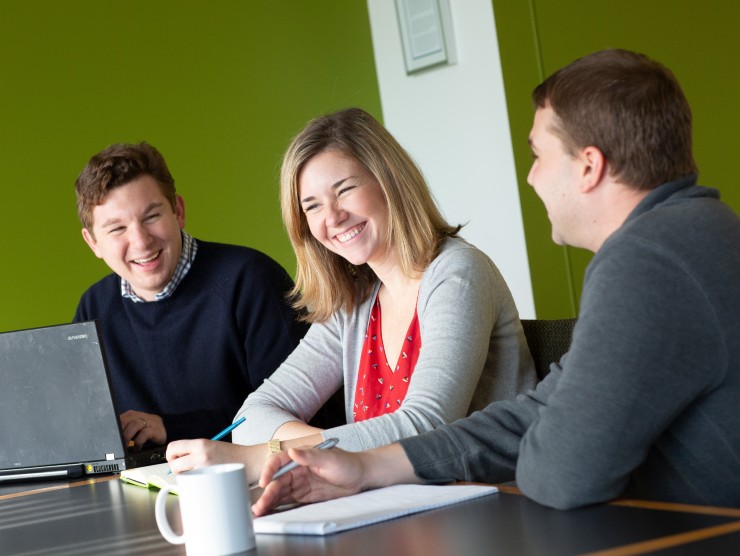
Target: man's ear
[(180, 211), (593, 169), (89, 238)]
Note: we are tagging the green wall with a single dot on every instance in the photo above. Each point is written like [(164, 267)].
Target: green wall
[(219, 87), (697, 40)]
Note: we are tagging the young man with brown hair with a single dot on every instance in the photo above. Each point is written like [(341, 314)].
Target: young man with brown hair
[(190, 327)]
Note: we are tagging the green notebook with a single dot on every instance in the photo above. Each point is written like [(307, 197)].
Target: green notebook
[(151, 476)]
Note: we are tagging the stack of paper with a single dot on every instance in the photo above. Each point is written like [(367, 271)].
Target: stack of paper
[(373, 506)]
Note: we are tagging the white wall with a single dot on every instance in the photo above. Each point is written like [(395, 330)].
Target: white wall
[(453, 121)]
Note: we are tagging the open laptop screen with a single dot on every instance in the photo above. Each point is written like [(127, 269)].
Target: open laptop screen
[(56, 406)]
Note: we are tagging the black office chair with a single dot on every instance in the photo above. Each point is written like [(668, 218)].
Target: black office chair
[(548, 340)]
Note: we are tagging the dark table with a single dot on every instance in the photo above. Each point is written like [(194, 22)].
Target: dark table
[(108, 517)]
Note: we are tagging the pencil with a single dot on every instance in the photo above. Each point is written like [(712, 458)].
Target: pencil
[(228, 429)]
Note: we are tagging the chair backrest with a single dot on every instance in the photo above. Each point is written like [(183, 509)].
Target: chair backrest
[(548, 340)]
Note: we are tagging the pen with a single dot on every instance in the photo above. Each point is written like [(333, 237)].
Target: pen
[(224, 432), (325, 445)]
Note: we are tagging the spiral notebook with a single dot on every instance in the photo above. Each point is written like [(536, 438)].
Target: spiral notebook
[(366, 508)]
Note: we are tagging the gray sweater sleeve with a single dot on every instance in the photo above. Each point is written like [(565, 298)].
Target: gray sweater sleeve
[(462, 299), (298, 388), (658, 351), (483, 447)]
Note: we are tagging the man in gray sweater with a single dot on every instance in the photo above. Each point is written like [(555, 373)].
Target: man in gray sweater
[(644, 404)]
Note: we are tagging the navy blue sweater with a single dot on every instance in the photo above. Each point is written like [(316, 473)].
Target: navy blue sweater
[(194, 357)]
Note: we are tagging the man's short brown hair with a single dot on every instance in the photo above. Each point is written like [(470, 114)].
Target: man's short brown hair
[(628, 106), (115, 166)]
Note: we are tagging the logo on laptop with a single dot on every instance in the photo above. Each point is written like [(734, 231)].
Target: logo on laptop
[(77, 337)]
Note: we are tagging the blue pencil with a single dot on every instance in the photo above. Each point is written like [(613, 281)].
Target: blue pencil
[(228, 429)]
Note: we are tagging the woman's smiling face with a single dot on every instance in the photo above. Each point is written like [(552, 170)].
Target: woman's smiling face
[(345, 207)]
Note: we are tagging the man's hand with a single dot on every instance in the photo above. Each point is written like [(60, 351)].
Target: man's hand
[(142, 427), (327, 474)]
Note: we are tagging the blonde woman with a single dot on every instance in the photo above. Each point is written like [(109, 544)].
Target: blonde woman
[(414, 324)]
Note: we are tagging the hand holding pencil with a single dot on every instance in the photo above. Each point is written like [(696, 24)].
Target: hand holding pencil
[(184, 455)]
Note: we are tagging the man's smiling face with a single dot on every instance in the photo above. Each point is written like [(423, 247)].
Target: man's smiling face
[(137, 233)]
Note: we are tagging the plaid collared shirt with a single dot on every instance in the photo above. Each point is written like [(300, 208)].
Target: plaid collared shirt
[(189, 248)]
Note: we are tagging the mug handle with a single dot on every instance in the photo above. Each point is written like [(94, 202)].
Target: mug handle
[(161, 516)]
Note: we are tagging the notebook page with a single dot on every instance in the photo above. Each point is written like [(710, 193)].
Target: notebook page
[(373, 506), (159, 475)]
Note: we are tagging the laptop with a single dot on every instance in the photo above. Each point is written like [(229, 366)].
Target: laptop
[(58, 417)]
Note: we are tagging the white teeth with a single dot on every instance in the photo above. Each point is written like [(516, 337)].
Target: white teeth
[(144, 261), (349, 235)]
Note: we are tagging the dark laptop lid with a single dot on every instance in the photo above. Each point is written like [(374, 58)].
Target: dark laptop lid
[(56, 408)]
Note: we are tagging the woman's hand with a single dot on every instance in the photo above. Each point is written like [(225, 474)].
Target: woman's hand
[(184, 455)]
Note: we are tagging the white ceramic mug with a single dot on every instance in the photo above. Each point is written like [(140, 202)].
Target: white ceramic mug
[(216, 511)]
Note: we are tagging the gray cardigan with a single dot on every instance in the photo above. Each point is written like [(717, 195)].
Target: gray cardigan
[(473, 352)]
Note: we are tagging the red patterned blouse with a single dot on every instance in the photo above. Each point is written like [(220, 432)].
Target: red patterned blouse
[(381, 388)]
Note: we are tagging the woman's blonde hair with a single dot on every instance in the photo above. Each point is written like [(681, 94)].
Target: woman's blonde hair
[(326, 282)]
